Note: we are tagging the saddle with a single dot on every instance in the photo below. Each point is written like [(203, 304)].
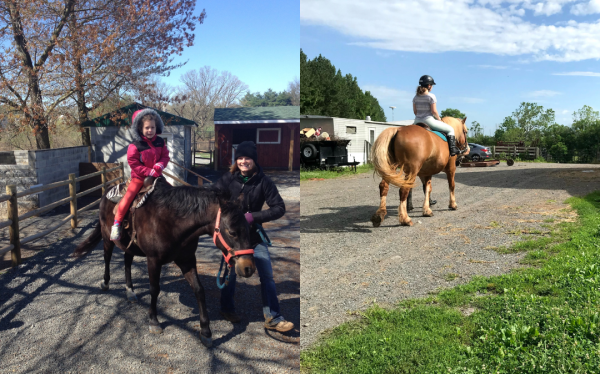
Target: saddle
[(426, 127)]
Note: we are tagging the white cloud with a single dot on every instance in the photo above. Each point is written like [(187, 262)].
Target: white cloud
[(387, 94), (543, 93), (591, 7), (580, 73), (384, 53), (484, 26), (565, 111)]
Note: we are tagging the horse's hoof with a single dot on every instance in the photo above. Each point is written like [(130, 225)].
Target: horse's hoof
[(408, 223), (376, 220), (428, 214), (131, 295), (155, 329), (207, 342), (103, 287), (453, 207)]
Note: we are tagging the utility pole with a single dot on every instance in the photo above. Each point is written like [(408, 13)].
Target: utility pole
[(393, 107)]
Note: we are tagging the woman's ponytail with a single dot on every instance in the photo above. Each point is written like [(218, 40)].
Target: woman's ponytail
[(421, 90)]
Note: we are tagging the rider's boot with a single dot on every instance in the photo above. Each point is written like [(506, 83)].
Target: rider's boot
[(115, 232), (452, 144)]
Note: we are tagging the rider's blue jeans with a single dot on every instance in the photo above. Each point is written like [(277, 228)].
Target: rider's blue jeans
[(268, 291)]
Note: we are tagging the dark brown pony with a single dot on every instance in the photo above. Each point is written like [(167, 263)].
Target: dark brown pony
[(416, 152), (168, 226)]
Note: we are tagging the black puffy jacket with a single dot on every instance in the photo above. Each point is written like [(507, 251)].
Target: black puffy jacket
[(257, 190)]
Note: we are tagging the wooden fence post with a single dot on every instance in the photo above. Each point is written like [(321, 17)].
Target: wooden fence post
[(103, 176), (89, 154), (123, 172), (200, 182), (73, 193), (494, 151), (13, 230)]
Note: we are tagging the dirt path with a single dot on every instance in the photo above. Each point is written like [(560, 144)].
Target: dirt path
[(55, 319), (348, 265)]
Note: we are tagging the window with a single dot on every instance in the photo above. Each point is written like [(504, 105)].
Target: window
[(350, 129), (268, 136), (371, 135)]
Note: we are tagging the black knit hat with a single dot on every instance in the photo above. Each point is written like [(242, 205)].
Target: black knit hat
[(247, 149)]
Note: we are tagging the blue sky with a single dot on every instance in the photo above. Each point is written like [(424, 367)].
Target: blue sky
[(255, 40), (486, 56)]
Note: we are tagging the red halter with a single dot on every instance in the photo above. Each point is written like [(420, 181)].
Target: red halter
[(230, 252)]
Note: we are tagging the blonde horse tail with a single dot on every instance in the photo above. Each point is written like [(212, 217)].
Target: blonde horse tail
[(385, 162)]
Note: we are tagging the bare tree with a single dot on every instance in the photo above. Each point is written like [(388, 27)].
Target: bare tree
[(294, 90), (206, 89)]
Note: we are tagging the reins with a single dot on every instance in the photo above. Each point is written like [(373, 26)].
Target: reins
[(230, 252)]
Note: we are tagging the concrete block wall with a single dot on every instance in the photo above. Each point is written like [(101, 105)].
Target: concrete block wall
[(54, 165), (42, 167), (110, 145)]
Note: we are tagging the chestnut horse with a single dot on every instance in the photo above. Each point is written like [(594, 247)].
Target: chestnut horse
[(168, 226), (416, 152)]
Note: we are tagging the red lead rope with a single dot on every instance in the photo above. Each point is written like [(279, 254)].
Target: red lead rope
[(230, 251)]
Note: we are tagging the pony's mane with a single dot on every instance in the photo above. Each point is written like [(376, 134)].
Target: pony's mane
[(184, 201), (187, 201)]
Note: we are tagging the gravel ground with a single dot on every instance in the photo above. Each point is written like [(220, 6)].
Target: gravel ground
[(55, 319), (348, 265)]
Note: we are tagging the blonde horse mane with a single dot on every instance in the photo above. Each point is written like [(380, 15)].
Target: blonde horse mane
[(460, 128)]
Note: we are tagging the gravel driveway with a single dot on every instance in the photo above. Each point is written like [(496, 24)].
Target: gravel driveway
[(55, 319), (348, 265)]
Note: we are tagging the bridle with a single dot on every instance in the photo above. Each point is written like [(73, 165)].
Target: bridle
[(230, 251)]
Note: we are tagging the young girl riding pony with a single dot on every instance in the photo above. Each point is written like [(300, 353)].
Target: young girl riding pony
[(147, 157)]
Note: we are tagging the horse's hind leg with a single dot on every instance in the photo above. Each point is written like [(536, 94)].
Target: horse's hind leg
[(154, 268), (108, 250), (402, 212), (409, 204), (128, 284), (427, 188), (188, 268), (379, 215)]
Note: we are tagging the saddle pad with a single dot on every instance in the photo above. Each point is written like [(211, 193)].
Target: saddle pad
[(440, 135), (114, 193), (143, 199)]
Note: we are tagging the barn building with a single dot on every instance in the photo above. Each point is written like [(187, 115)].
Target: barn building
[(110, 138), (275, 130), (361, 133)]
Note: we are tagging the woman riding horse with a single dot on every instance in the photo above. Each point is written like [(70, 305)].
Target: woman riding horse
[(425, 109)]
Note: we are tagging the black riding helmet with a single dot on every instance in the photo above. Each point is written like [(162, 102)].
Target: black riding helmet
[(426, 80)]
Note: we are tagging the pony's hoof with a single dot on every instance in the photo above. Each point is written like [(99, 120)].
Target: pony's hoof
[(428, 214), (131, 295), (453, 207), (155, 329), (407, 223), (103, 287), (207, 342), (376, 220)]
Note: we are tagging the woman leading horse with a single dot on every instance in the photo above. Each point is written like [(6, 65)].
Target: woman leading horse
[(416, 152)]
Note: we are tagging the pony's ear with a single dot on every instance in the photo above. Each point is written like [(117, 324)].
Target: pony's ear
[(464, 120)]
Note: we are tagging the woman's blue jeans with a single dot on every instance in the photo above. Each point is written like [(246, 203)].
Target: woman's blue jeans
[(268, 291)]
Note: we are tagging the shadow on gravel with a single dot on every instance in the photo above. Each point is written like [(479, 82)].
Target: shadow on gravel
[(35, 272), (572, 180), (354, 219)]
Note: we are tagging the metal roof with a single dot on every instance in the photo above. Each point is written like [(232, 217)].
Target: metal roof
[(122, 117), (257, 114)]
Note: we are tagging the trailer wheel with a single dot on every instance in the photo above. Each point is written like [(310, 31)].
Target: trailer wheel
[(309, 152)]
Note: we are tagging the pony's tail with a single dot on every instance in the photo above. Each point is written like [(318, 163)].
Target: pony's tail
[(89, 243), (385, 162)]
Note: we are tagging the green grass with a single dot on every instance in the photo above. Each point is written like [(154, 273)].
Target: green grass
[(334, 173), (542, 319)]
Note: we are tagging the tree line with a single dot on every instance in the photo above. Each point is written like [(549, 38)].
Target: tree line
[(536, 126), (325, 91)]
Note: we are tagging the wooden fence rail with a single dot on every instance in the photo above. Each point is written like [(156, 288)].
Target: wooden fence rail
[(13, 217)]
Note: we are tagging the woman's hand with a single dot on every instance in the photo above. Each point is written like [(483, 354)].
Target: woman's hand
[(249, 218)]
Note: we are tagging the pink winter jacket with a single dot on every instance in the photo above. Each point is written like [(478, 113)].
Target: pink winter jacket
[(143, 154)]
